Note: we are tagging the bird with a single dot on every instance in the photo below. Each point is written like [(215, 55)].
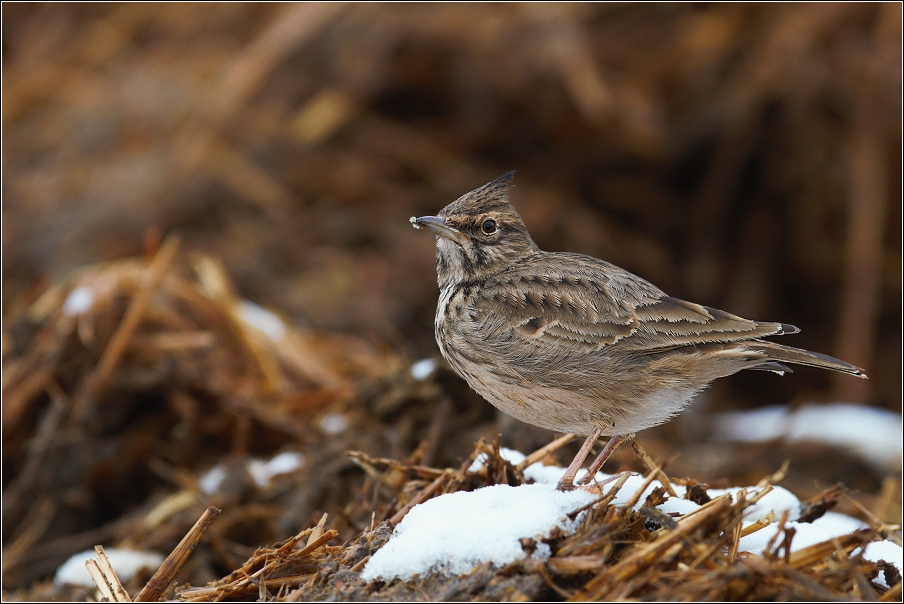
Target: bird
[(575, 344)]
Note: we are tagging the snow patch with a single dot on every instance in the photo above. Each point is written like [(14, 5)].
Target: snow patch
[(423, 369), (873, 434), (263, 320), (888, 551), (211, 481), (78, 302), (125, 562), (333, 423), (263, 472), (778, 500), (455, 532)]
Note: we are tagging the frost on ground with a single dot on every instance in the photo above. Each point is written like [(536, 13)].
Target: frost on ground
[(454, 533)]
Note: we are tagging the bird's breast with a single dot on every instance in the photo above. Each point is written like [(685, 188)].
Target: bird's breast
[(446, 319)]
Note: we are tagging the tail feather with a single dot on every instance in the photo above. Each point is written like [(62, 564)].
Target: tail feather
[(798, 356), (785, 328), (773, 366)]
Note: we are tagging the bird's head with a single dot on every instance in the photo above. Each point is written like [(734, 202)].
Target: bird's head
[(478, 234)]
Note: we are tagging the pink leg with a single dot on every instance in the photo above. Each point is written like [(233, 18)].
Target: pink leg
[(567, 481), (608, 450)]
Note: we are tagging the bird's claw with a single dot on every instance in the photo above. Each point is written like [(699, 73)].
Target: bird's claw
[(595, 488)]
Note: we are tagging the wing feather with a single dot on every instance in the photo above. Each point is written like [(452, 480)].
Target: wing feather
[(551, 297)]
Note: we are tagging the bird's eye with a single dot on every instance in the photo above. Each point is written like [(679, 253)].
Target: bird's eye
[(488, 227)]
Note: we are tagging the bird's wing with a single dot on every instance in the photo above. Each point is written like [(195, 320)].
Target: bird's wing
[(593, 304)]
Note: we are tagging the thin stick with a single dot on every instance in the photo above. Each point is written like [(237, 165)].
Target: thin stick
[(43, 439), (886, 530), (648, 461), (37, 522), (436, 430), (548, 580), (160, 582), (318, 530), (737, 533), (96, 381), (614, 490), (768, 552), (604, 499), (100, 580), (290, 543), (545, 450), (776, 477), (357, 567), (893, 594), (758, 525), (570, 565), (639, 492), (112, 579), (643, 556), (420, 497), (819, 551), (262, 573), (747, 502), (704, 508), (890, 488), (730, 533), (321, 540)]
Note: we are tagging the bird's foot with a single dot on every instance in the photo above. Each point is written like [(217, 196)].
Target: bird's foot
[(565, 486), (610, 447), (585, 484)]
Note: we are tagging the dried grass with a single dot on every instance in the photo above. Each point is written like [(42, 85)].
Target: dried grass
[(616, 553)]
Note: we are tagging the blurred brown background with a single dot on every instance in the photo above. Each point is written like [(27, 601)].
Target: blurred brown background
[(742, 156)]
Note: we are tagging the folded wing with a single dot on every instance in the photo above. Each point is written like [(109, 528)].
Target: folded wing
[(593, 304)]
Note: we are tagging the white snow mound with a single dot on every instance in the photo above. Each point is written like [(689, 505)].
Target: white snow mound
[(455, 532)]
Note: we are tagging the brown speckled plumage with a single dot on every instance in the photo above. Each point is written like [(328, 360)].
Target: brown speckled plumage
[(575, 344)]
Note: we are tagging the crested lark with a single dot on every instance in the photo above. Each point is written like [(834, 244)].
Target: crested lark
[(575, 344)]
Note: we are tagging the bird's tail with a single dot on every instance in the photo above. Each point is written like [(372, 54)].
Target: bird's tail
[(786, 354)]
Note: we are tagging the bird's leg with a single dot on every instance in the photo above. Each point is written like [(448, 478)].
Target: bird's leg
[(610, 448), (566, 483)]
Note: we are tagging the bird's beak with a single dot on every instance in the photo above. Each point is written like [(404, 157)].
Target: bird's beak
[(437, 225)]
